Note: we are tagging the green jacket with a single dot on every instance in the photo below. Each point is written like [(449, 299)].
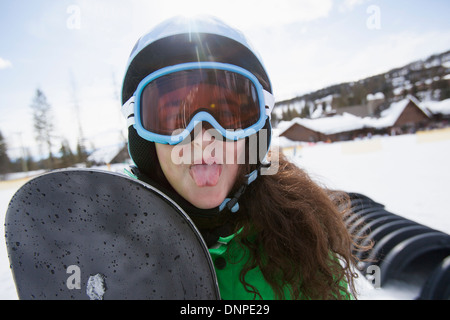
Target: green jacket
[(228, 265), (229, 258)]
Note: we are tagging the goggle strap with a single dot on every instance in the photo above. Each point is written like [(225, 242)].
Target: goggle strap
[(128, 111), (269, 101)]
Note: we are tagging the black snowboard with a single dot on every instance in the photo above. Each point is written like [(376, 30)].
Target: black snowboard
[(89, 234)]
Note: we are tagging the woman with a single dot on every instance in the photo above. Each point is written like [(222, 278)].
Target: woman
[(198, 103)]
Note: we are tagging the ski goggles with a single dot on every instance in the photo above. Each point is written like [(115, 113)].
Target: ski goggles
[(170, 102)]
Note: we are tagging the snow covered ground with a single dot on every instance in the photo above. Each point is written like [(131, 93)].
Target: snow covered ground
[(7, 288), (409, 174)]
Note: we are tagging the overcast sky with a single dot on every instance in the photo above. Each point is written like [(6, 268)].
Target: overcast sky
[(68, 46)]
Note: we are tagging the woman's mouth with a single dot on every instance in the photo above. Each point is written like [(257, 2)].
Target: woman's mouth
[(205, 175)]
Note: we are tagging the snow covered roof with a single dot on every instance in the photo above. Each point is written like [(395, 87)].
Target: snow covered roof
[(328, 125), (348, 122), (391, 114), (442, 107)]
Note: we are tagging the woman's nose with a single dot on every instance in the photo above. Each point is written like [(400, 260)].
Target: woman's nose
[(204, 134)]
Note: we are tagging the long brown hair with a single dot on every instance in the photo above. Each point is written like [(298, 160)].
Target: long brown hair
[(298, 236)]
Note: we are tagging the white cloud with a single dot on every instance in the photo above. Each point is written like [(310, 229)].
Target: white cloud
[(4, 64), (243, 14), (348, 5), (398, 49)]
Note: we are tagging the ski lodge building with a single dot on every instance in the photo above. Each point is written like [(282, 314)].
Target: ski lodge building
[(407, 115)]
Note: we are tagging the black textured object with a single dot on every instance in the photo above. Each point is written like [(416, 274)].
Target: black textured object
[(88, 234), (437, 286)]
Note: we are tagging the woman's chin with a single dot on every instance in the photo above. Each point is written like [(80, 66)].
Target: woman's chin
[(207, 199)]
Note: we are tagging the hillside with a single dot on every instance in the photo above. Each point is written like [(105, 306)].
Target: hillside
[(427, 79)]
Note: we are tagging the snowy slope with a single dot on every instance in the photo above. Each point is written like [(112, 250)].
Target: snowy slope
[(7, 288), (408, 174)]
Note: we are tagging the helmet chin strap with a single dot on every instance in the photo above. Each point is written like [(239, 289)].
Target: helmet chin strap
[(232, 203)]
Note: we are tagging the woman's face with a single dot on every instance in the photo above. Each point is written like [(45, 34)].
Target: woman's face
[(204, 170)]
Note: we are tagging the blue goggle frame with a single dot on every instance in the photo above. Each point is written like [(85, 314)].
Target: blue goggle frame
[(132, 108)]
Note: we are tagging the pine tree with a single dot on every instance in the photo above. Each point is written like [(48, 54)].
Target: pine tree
[(81, 153), (305, 112), (5, 163), (43, 125), (67, 158)]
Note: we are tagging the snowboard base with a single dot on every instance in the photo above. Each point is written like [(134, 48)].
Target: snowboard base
[(88, 234)]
